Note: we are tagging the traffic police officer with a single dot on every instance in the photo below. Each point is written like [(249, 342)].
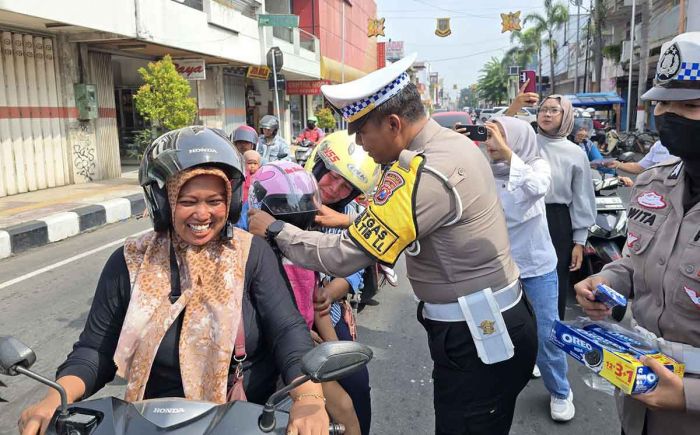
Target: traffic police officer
[(661, 266), (436, 201)]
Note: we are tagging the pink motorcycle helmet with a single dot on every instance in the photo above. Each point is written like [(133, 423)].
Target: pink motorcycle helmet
[(287, 192)]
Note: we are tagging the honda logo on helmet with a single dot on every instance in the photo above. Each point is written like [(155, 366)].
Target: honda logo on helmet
[(202, 150)]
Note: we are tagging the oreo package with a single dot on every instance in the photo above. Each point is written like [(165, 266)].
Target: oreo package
[(612, 354), (609, 297)]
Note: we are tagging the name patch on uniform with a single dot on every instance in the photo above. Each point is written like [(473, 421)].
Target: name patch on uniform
[(390, 183), (375, 232), (631, 238), (651, 200), (641, 216), (693, 296)]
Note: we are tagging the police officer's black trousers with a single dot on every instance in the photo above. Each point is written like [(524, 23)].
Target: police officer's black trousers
[(470, 397), (559, 222)]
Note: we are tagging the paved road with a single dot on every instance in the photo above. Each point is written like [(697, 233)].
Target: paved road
[(48, 311)]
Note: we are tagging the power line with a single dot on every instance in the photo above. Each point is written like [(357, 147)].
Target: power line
[(465, 56)]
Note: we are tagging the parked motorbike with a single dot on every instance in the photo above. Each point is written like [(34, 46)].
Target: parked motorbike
[(328, 361), (302, 151), (606, 238)]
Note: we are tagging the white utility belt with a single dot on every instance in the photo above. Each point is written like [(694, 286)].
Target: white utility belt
[(685, 353), (506, 298), (483, 313)]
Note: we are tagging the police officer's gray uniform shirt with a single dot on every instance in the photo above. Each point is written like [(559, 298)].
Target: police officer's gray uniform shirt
[(661, 271), (454, 261)]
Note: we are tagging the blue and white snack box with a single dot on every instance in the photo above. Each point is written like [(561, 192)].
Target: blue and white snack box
[(609, 297)]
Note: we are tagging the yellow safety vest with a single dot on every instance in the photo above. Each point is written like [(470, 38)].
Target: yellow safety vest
[(388, 226)]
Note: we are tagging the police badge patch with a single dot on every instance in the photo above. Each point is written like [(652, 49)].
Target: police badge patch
[(392, 180), (669, 64)]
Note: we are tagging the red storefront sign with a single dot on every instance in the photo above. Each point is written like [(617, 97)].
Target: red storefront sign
[(381, 54), (305, 87)]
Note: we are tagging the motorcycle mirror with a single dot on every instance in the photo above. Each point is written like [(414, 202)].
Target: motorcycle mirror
[(335, 360), (14, 353), (280, 156)]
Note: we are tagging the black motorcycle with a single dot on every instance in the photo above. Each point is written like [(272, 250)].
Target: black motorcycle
[(173, 416)]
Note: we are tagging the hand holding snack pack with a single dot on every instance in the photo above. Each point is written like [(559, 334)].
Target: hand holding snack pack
[(613, 353)]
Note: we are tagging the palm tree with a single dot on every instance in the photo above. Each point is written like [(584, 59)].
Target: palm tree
[(555, 15), (493, 83), (530, 44)]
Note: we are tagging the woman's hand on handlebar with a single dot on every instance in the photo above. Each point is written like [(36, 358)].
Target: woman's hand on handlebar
[(308, 415), (35, 419)]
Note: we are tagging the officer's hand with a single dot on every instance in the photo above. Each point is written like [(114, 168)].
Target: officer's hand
[(576, 258), (614, 164), (669, 394), (329, 218), (258, 221), (586, 298)]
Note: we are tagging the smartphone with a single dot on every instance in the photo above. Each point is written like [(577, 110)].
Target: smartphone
[(524, 76), (474, 132)]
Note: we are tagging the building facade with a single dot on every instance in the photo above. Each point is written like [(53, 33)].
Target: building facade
[(56, 56)]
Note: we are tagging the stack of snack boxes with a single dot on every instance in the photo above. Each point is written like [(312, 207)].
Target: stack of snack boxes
[(613, 353)]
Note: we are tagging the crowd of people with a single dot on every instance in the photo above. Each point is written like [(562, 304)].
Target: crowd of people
[(201, 308)]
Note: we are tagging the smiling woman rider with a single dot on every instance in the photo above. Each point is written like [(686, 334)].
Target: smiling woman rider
[(170, 305)]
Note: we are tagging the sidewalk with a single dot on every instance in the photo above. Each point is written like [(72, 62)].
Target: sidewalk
[(33, 219)]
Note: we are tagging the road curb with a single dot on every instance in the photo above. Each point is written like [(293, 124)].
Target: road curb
[(59, 226)]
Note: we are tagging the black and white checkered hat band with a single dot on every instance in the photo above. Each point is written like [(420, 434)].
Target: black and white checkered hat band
[(358, 109)]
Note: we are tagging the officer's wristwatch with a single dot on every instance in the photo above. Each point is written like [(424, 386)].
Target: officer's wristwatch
[(273, 230)]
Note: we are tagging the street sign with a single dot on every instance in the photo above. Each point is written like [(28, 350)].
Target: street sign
[(258, 72), (275, 59), (278, 20), (305, 87), (191, 69), (280, 82)]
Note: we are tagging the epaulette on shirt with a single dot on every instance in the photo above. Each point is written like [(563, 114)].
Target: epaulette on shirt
[(669, 169)]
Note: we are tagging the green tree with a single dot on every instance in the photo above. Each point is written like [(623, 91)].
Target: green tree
[(325, 118), (468, 97), (164, 98), (493, 82), (555, 15)]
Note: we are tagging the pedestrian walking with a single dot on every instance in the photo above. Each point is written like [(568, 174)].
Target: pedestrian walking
[(570, 202), (523, 178)]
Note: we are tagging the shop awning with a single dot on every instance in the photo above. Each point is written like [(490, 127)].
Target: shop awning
[(595, 99), (332, 70)]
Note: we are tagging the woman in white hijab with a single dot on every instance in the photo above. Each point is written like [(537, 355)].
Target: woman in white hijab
[(523, 178)]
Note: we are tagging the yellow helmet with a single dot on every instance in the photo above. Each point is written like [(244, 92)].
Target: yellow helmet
[(340, 154)]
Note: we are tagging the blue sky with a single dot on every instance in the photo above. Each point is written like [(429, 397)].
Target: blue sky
[(476, 32)]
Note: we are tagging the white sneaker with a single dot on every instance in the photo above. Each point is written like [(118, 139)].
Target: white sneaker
[(562, 409), (536, 372)]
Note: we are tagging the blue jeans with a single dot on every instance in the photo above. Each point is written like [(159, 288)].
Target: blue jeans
[(543, 293)]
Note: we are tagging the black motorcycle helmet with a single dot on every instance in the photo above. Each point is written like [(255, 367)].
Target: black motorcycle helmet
[(182, 149)]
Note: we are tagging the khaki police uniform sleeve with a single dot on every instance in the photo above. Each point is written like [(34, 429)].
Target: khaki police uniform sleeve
[(332, 254), (435, 204)]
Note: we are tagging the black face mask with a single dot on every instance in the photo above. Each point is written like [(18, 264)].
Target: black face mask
[(310, 125), (680, 135)]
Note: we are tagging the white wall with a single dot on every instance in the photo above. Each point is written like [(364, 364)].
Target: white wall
[(116, 16), (166, 22)]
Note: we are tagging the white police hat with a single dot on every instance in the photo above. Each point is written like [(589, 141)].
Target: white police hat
[(357, 98), (678, 71)]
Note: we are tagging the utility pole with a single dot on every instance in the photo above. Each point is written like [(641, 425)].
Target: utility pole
[(629, 78), (588, 44), (578, 25)]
